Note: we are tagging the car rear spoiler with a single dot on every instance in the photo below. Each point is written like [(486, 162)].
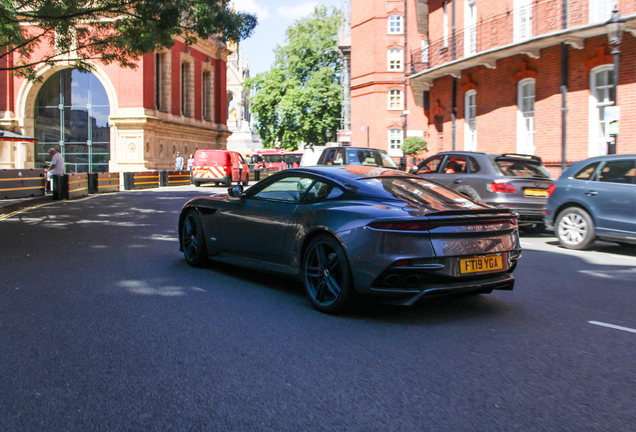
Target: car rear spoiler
[(515, 156)]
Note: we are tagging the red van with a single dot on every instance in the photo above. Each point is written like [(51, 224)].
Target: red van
[(219, 167)]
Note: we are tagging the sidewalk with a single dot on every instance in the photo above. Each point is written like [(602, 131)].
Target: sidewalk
[(10, 205)]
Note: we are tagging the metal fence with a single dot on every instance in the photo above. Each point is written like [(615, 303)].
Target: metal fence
[(541, 17)]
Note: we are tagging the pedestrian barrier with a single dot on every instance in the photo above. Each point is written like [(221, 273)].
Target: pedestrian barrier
[(103, 182), (260, 174), (174, 178), (70, 186), (21, 183), (141, 180)]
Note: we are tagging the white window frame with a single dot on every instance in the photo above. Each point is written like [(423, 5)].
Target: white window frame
[(445, 24), (425, 50), (522, 20), (601, 10), (470, 120), (525, 116), (395, 58), (396, 139), (598, 129), (395, 102), (470, 28), (395, 24)]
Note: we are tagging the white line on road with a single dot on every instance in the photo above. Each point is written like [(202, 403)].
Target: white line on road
[(525, 244), (612, 326)]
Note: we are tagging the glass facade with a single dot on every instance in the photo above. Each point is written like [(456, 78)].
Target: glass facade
[(71, 115)]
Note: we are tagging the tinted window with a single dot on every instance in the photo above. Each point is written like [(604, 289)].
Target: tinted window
[(418, 191), (473, 165), (320, 191), (587, 172), (329, 157), (285, 189), (430, 166), (521, 168), (621, 171), (455, 165)]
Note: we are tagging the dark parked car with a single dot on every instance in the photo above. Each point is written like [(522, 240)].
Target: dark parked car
[(356, 229), (517, 182), (594, 198), (356, 156)]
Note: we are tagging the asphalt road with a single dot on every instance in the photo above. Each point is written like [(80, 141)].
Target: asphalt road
[(103, 326)]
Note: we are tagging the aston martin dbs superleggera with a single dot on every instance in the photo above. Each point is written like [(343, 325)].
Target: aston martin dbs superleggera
[(354, 230)]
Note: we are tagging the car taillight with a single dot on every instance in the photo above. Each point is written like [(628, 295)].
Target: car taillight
[(427, 226), (502, 188), (551, 189)]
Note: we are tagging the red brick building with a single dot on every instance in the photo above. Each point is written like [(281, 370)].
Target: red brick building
[(383, 109), (493, 76), (119, 119)]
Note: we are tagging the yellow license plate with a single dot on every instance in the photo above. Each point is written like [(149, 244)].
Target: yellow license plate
[(536, 192), (481, 264)]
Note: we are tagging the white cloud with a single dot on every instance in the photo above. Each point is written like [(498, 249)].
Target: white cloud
[(297, 11), (253, 7)]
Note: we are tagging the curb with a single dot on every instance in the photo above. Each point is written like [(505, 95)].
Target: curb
[(29, 202)]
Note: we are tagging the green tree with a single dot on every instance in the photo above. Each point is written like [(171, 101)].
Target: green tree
[(108, 30), (298, 99), (413, 146)]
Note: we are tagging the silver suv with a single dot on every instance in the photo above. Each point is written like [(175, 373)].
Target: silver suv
[(517, 182)]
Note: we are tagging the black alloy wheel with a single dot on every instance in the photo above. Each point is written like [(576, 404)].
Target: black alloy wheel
[(327, 276), (193, 240)]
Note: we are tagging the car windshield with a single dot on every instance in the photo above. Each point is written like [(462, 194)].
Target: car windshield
[(521, 168), (417, 192), (370, 157)]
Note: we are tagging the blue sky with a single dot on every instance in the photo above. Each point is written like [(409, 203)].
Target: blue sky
[(274, 16)]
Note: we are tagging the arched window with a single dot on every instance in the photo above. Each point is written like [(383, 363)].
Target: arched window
[(602, 96), (470, 116), (395, 99), (395, 59), (71, 111), (395, 24), (525, 116), (395, 142)]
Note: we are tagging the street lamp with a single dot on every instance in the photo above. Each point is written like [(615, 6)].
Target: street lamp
[(614, 34), (328, 134)]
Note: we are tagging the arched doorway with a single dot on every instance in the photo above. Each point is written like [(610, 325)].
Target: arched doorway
[(71, 114)]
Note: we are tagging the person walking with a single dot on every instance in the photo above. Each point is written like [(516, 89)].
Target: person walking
[(190, 162), (179, 162), (56, 167)]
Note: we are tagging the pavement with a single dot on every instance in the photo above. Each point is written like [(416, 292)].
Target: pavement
[(8, 206)]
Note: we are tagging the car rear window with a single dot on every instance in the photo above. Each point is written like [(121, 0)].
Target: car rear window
[(418, 192), (370, 157), (208, 157), (521, 168)]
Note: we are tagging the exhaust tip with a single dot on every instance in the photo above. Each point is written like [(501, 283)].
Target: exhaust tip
[(392, 279), (411, 280)]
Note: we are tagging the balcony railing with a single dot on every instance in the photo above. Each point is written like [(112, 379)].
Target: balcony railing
[(544, 17)]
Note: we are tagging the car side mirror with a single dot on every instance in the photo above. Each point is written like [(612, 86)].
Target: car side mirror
[(235, 191), (414, 170)]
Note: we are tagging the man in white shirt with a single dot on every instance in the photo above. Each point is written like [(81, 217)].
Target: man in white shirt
[(56, 167)]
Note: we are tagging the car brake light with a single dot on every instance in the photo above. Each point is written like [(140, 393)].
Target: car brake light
[(427, 226), (502, 188), (551, 189)]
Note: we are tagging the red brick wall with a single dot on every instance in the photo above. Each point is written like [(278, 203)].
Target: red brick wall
[(371, 119)]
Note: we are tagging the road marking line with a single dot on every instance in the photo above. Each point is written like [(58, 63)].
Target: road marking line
[(612, 326), (526, 244)]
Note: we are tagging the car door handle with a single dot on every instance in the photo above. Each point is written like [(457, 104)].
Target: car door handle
[(591, 193), (457, 181)]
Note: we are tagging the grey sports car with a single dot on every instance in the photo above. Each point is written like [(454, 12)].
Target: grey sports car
[(354, 230)]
